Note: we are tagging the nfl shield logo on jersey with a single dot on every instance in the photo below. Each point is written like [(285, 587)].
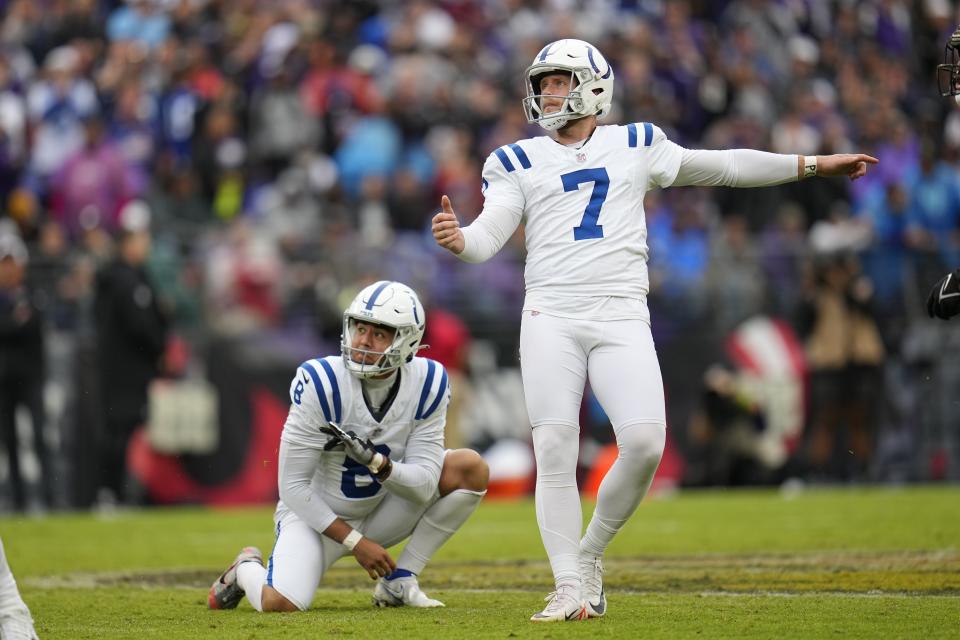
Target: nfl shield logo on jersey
[(581, 157)]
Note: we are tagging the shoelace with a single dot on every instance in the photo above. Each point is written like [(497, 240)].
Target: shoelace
[(556, 600), (592, 578)]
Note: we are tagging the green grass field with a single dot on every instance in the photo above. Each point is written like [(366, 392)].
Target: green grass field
[(845, 563)]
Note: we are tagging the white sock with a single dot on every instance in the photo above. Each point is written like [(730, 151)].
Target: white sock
[(251, 576), (626, 483), (558, 500), (392, 521), (438, 523), (10, 599)]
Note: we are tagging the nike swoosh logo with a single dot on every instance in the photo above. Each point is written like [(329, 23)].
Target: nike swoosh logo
[(579, 614), (600, 606), (943, 289), (305, 380)]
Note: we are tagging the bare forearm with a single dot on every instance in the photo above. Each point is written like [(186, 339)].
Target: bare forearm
[(338, 530)]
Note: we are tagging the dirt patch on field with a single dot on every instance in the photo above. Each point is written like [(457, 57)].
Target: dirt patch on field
[(920, 572), (171, 578)]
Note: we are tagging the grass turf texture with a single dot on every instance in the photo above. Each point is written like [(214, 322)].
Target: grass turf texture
[(865, 563)]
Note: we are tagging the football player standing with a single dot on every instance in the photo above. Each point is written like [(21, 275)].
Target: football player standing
[(579, 193), (362, 466)]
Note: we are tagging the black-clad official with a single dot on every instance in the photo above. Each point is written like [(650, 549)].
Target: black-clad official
[(131, 338)]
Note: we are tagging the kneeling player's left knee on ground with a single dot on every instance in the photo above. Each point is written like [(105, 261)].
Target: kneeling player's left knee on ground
[(464, 469), (273, 600)]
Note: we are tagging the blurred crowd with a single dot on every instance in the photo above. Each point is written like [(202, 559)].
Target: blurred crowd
[(277, 155)]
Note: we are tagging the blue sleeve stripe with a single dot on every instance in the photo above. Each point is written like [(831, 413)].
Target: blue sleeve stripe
[(440, 392), (431, 366), (631, 135), (521, 155), (337, 405), (321, 392), (647, 134), (504, 160)]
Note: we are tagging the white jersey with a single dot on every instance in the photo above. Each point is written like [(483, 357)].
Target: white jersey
[(323, 391), (586, 233)]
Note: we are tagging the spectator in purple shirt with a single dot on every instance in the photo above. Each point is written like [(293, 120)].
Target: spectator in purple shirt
[(92, 185)]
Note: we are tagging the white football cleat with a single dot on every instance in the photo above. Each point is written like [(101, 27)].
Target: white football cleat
[(17, 625), (591, 577), (563, 606), (225, 592), (402, 592)]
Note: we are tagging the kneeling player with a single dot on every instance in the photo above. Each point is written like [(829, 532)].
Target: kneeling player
[(362, 466)]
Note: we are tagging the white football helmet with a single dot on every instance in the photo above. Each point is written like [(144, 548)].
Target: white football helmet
[(591, 83), (391, 304)]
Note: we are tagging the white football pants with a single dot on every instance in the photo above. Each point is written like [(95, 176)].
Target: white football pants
[(301, 555), (557, 356)]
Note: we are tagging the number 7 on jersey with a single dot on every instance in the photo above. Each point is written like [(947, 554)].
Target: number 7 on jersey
[(588, 228)]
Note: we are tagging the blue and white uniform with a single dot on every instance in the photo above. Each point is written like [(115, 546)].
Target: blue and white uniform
[(586, 240), (582, 210), (585, 314), (317, 486)]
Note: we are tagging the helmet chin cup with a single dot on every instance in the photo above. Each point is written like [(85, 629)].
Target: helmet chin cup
[(552, 124), (380, 366), (553, 120)]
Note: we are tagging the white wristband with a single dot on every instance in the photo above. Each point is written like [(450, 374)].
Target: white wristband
[(376, 463), (352, 539), (809, 166)]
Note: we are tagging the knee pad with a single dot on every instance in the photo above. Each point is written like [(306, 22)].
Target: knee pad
[(556, 448), (642, 443)]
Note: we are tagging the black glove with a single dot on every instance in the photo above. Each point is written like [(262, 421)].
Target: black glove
[(334, 442), (363, 451), (944, 299)]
